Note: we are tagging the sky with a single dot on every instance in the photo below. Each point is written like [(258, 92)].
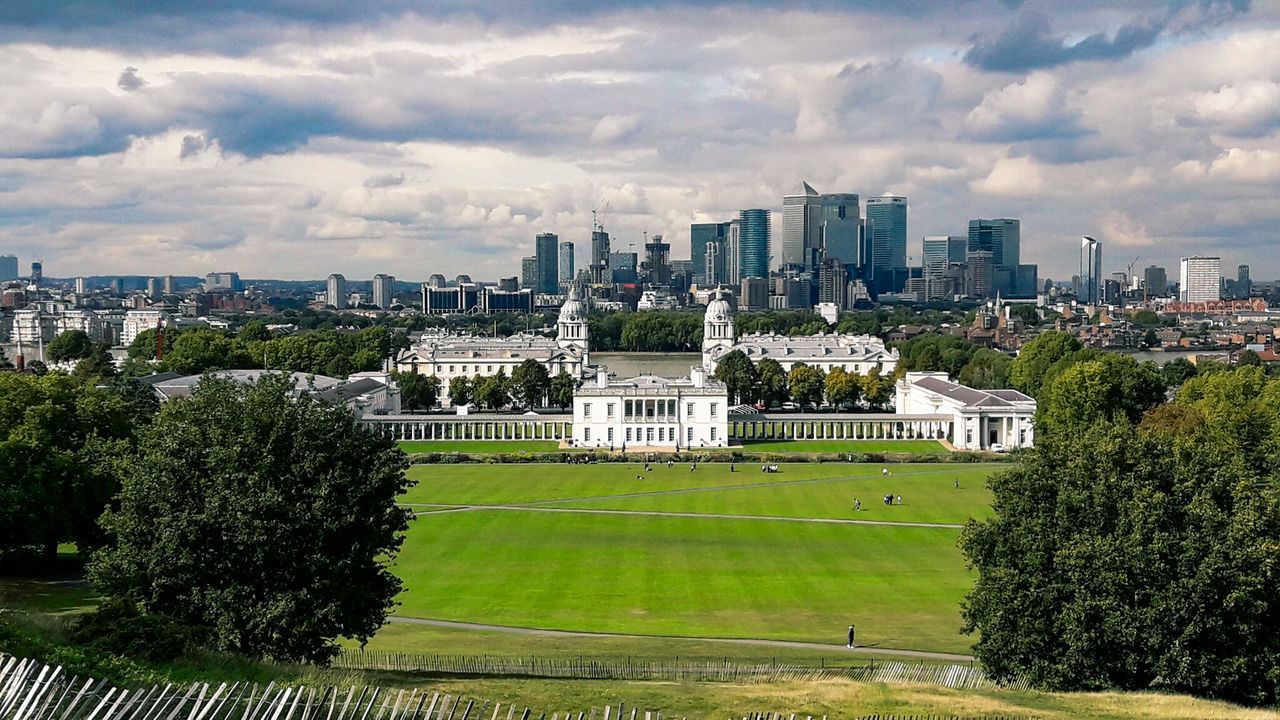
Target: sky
[(295, 138)]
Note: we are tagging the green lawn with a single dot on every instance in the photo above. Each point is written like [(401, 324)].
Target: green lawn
[(844, 446), (478, 446), (687, 576)]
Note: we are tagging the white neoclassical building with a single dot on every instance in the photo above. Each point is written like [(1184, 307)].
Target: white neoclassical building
[(651, 412), (450, 355), (852, 353), (981, 418)]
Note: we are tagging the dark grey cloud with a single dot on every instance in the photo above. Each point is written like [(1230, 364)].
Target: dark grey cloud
[(191, 146), (129, 79)]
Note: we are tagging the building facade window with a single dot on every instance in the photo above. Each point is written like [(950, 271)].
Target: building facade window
[(608, 411), (610, 434), (586, 410), (689, 436), (713, 434), (586, 434), (713, 409), (648, 434)]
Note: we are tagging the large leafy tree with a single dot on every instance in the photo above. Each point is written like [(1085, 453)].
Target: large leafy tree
[(530, 383), (773, 383), (843, 388), (494, 391), (877, 388), (1027, 371), (70, 345), (1134, 559), (807, 385), (562, 387), (739, 376), (267, 518), (1112, 387), (460, 390), (417, 392), (987, 369)]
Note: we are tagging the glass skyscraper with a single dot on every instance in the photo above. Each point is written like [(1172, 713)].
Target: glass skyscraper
[(566, 261), (801, 228), (547, 249), (1002, 236), (753, 243), (843, 233), (1090, 290), (699, 235), (887, 230)]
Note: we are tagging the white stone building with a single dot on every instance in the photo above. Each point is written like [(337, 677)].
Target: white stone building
[(981, 418), (448, 356), (651, 412), (852, 353), (139, 321), (86, 321)]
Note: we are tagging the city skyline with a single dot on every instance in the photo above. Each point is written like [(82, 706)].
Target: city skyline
[(361, 139)]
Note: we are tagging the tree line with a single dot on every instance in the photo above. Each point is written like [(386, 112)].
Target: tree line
[(769, 385)]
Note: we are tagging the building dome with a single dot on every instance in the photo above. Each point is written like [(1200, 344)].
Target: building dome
[(718, 309), (573, 309)]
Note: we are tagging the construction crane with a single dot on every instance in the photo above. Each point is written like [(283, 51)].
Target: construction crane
[(602, 208)]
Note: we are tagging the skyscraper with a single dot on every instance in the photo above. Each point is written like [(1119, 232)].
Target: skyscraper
[(37, 273), (336, 291), (981, 273), (1244, 286), (566, 261), (833, 280), (546, 250), (8, 267), (81, 286), (938, 254), (801, 228), (842, 233), (656, 261), (1155, 280), (153, 288), (1090, 290), (887, 230), (600, 257), (1002, 236), (700, 235), (382, 285), (529, 272), (1200, 279), (713, 261), (733, 253), (753, 243), (170, 285)]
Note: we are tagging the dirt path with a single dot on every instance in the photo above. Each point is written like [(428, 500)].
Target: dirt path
[(737, 641)]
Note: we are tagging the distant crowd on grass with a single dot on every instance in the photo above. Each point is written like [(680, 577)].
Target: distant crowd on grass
[(1135, 547)]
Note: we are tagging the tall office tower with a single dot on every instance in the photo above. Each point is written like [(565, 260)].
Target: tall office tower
[(753, 243), (700, 236), (1002, 236), (8, 267), (37, 273), (1090, 291), (153, 288), (733, 253), (1244, 286), (566, 262), (82, 286), (887, 230), (981, 275), (1155, 280), (600, 258), (713, 262), (833, 281), (382, 285), (1200, 278), (801, 228), (843, 234), (170, 285), (754, 293), (657, 264), (546, 248), (529, 273), (938, 254), (336, 291), (117, 286), (437, 281)]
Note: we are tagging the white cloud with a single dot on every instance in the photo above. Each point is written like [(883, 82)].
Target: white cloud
[(1116, 228), (1253, 166), (1012, 177), (612, 128), (1241, 106)]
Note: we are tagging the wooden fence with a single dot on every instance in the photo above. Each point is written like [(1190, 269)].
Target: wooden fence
[(30, 690), (965, 677)]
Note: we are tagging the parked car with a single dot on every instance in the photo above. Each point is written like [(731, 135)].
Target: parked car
[(997, 448)]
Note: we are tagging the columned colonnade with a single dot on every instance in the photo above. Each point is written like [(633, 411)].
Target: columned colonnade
[(462, 428), (846, 427)]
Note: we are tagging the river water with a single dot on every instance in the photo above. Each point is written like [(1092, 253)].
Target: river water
[(631, 364)]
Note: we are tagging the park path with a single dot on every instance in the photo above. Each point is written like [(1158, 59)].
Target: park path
[(658, 513), (539, 632)]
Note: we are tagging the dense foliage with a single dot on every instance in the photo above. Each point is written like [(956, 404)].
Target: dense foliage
[(967, 363), (1142, 554), (267, 518)]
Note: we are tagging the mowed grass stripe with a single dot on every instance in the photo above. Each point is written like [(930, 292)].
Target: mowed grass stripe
[(687, 577), (931, 447), (928, 496), (478, 446)]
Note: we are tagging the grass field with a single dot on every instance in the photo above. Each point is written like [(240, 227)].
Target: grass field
[(858, 446), (544, 565), (478, 446)]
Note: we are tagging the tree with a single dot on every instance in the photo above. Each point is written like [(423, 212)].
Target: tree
[(1027, 371), (843, 388), (807, 385), (1131, 559), (1150, 339), (877, 389), (987, 370), (530, 383), (1027, 313), (460, 390), (1145, 318), (739, 376), (1178, 371), (562, 387), (1112, 387), (493, 392), (773, 383), (417, 392), (1249, 358), (70, 345), (268, 519), (253, 331), (98, 364)]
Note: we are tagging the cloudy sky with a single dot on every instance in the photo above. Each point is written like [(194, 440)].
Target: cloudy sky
[(294, 138)]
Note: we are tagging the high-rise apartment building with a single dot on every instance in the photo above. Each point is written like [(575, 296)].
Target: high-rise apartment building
[(713, 263), (700, 236), (382, 290), (600, 257), (529, 272), (82, 286), (801, 228), (657, 265), (887, 230), (1200, 279), (980, 279), (753, 243), (733, 253), (754, 293), (8, 267), (546, 250), (153, 288), (1002, 236), (1090, 290), (37, 273), (833, 280), (170, 285), (336, 291), (566, 261), (1155, 281)]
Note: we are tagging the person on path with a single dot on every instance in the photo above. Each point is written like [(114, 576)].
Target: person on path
[(857, 505), (850, 645), (731, 468), (957, 484), (899, 499), (884, 472)]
